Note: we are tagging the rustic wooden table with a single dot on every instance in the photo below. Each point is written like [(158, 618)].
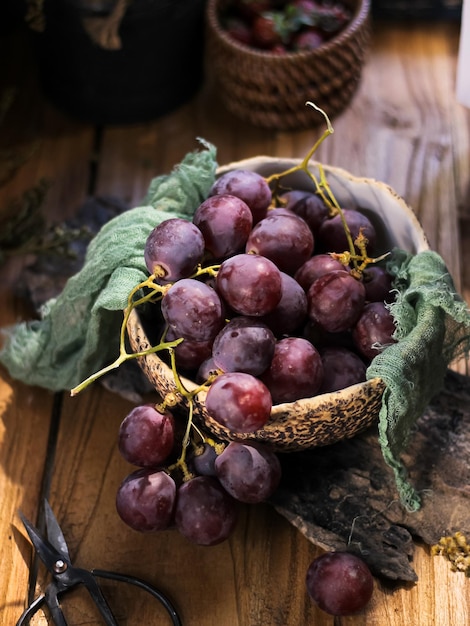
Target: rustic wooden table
[(404, 127)]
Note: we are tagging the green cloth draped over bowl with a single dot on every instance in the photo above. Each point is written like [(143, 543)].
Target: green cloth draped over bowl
[(78, 332)]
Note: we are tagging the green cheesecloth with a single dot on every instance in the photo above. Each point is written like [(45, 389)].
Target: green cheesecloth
[(78, 332)]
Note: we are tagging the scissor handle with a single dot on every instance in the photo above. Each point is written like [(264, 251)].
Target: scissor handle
[(51, 601), (137, 582)]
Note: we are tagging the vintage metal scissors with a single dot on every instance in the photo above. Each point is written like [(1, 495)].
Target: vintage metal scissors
[(54, 553)]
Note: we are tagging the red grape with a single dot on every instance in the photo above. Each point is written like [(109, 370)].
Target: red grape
[(314, 267), (244, 345), (249, 472), (374, 330), (193, 310), (250, 284), (340, 583), (296, 371), (333, 237), (378, 284), (313, 210), (291, 312), (146, 436), (341, 368), (335, 301), (250, 186), (282, 237), (189, 354), (205, 513), (173, 250), (239, 401), (225, 222), (145, 500)]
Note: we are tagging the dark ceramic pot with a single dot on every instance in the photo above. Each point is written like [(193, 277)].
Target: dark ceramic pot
[(158, 67)]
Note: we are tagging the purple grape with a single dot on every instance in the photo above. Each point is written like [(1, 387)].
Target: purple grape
[(290, 198), (378, 284), (205, 513), (239, 401), (374, 330), (193, 310), (335, 301), (173, 250), (333, 238), (203, 460), (316, 266), (249, 186), (225, 222), (250, 472), (250, 284), (244, 345), (145, 500), (296, 371), (340, 583), (282, 237), (341, 368), (291, 312), (146, 436), (189, 354), (206, 368), (313, 210)]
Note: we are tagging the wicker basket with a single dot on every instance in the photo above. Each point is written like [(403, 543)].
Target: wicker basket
[(331, 417), (270, 90)]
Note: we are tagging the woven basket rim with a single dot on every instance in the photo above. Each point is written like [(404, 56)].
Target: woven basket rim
[(360, 17)]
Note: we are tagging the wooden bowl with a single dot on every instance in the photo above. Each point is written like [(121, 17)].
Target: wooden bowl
[(328, 418), (270, 90)]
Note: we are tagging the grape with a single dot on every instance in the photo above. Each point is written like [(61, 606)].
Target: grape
[(244, 345), (250, 284), (374, 330), (341, 368), (145, 500), (146, 436), (282, 237), (189, 354), (290, 198), (335, 301), (193, 310), (239, 401), (225, 222), (378, 284), (249, 186), (207, 368), (289, 315), (248, 472), (332, 235), (203, 460), (296, 371), (205, 513), (340, 583), (314, 267), (173, 250), (313, 210)]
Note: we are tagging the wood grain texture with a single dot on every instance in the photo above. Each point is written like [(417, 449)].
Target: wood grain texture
[(404, 127)]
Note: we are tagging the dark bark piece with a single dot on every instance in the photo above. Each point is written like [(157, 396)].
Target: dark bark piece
[(344, 496)]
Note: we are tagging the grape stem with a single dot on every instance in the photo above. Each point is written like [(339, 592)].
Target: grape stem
[(359, 261)]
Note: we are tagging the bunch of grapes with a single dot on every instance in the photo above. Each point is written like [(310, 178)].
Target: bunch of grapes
[(267, 296)]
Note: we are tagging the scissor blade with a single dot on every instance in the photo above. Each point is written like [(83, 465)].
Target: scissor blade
[(46, 551), (54, 533)]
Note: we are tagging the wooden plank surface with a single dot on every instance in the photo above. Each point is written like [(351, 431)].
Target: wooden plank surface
[(405, 128)]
